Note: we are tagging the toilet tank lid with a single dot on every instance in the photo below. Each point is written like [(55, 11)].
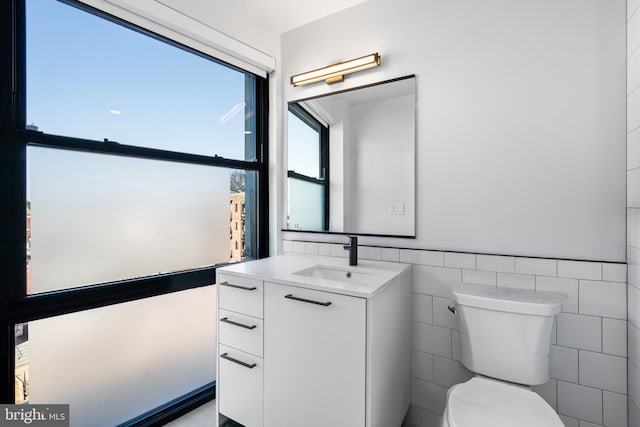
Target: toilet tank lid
[(510, 300)]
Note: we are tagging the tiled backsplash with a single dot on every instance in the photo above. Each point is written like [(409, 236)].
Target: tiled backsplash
[(589, 343)]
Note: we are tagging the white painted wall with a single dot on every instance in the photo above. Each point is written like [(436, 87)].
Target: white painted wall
[(520, 117)]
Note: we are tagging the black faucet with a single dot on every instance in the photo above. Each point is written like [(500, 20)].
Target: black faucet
[(352, 247)]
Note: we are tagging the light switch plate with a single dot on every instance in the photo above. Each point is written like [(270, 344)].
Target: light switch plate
[(396, 209)]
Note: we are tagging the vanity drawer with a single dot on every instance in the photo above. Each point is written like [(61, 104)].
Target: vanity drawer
[(240, 294), (239, 331), (240, 382)]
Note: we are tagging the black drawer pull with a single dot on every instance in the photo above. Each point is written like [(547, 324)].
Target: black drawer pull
[(242, 325), (245, 288), (326, 304), (239, 362)]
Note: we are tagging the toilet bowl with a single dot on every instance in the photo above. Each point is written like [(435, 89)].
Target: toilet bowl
[(505, 339), (483, 402)]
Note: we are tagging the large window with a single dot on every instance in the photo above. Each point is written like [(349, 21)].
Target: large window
[(131, 168)]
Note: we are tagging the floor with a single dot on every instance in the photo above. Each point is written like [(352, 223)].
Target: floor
[(204, 416)]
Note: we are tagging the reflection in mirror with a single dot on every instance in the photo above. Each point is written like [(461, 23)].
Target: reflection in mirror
[(307, 175), (351, 166)]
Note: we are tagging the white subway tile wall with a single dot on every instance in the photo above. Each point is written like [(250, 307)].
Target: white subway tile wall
[(455, 344), (569, 287), (432, 258), (613, 345), (479, 277), (606, 299), (577, 401), (580, 270), (633, 344), (614, 409), (633, 110), (569, 422), (633, 305), (633, 411), (563, 363), (633, 140), (367, 252), (429, 396), (633, 30), (390, 254), (324, 250), (614, 272), (422, 366), (442, 316), (633, 225), (543, 267), (633, 389), (633, 256), (448, 372), (520, 281), (588, 360), (503, 264), (422, 306), (549, 392), (311, 248), (603, 371), (458, 260), (614, 337), (410, 256), (577, 331)]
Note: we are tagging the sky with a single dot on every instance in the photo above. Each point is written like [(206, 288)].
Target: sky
[(90, 78)]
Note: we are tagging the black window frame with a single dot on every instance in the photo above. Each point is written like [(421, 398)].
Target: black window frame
[(16, 306), (324, 167)]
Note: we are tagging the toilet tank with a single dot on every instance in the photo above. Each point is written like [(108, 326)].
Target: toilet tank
[(506, 333)]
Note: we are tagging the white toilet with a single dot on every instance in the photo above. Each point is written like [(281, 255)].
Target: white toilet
[(505, 338)]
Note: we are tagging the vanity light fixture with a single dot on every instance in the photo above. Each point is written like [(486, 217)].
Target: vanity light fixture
[(335, 73)]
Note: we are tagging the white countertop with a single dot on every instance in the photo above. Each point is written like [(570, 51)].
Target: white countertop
[(282, 269)]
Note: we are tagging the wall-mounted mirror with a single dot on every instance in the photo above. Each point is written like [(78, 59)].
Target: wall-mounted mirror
[(351, 162)]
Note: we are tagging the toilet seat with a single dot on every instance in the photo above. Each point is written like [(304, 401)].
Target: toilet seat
[(482, 402)]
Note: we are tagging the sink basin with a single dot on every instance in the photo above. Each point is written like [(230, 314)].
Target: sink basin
[(335, 273)]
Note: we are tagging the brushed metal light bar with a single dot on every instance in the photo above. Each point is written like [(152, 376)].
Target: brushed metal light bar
[(336, 72)]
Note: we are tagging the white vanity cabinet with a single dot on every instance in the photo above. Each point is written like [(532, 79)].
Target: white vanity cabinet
[(239, 384), (314, 352)]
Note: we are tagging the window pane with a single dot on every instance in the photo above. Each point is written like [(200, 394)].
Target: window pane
[(98, 218), (114, 363), (306, 205), (303, 147), (22, 363), (90, 78), (243, 216)]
